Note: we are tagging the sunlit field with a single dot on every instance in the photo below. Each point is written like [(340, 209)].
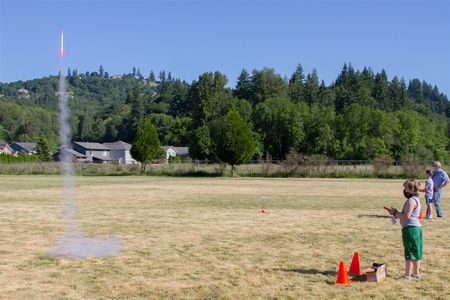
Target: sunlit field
[(190, 238)]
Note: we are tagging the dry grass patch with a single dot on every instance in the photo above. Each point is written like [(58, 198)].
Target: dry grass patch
[(187, 238)]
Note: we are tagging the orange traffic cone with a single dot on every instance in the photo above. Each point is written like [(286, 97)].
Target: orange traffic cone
[(355, 268), (421, 215), (342, 277)]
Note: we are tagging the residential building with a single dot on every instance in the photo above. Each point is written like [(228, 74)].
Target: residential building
[(120, 152), (175, 151), (28, 148), (182, 151), (74, 155), (94, 152), (168, 151), (5, 148)]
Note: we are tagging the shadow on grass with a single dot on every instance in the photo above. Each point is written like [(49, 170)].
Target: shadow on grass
[(302, 271), (375, 216), (358, 278)]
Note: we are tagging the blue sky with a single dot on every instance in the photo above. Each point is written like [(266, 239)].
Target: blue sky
[(409, 38)]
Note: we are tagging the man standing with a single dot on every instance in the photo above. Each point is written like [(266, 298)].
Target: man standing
[(440, 179)]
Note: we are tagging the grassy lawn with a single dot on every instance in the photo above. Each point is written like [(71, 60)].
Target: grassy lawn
[(193, 238)]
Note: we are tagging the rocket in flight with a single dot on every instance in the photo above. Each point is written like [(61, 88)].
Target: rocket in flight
[(61, 50)]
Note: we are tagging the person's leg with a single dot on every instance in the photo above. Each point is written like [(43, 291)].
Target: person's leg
[(408, 267), (429, 212), (437, 203), (416, 266)]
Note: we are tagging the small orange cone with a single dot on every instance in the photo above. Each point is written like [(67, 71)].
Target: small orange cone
[(342, 277), (421, 215), (355, 268)]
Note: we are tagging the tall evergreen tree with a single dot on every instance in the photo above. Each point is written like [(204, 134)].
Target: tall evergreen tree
[(201, 145), (85, 128), (235, 145), (162, 76), (146, 146), (395, 95), (152, 77), (134, 99), (326, 95), (42, 150), (296, 85), (312, 88), (244, 86), (380, 91)]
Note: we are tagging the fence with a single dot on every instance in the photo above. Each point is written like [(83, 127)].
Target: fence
[(273, 168)]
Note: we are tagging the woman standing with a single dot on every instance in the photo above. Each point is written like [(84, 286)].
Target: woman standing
[(411, 229)]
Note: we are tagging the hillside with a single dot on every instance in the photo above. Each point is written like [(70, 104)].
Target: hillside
[(361, 115)]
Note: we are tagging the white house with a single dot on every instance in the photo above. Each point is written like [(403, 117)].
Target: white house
[(6, 149), (175, 151), (120, 152), (169, 151)]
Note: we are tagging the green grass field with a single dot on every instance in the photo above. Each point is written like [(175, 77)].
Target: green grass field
[(191, 238)]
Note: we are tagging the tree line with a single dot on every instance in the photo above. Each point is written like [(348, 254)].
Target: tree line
[(360, 115)]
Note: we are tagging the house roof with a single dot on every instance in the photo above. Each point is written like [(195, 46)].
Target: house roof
[(92, 146), (28, 147), (119, 145), (165, 148), (74, 153), (182, 150)]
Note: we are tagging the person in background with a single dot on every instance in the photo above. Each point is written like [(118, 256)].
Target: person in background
[(440, 180), (411, 229), (428, 190)]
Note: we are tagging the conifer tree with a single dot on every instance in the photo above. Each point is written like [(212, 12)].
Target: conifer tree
[(146, 146), (235, 145), (42, 150)]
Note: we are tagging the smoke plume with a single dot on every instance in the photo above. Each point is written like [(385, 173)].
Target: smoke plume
[(74, 243)]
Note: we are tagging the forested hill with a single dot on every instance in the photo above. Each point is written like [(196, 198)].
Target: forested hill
[(361, 115)]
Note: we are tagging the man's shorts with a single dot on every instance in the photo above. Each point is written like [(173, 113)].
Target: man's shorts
[(412, 242), (429, 201)]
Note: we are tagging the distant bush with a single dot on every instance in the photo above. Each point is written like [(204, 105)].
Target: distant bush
[(412, 168), (293, 166), (19, 158), (186, 159), (382, 166), (174, 159)]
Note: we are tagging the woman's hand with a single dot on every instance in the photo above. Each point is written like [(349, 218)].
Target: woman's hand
[(391, 210)]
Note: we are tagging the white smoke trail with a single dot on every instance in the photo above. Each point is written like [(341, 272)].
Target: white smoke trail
[(74, 244)]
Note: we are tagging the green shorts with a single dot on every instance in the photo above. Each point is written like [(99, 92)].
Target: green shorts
[(412, 242)]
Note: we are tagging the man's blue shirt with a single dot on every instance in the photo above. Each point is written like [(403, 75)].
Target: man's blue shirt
[(439, 177)]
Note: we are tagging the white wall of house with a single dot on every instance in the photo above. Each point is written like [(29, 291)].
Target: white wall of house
[(170, 152), (128, 158), (100, 153), (6, 150), (122, 157)]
